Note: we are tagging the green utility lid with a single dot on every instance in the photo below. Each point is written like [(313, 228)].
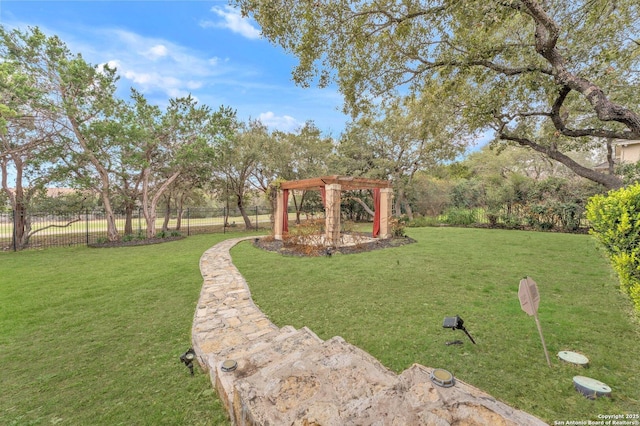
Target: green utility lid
[(574, 358), (591, 388)]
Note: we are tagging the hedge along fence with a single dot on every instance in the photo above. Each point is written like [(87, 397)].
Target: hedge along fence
[(615, 221), (564, 217)]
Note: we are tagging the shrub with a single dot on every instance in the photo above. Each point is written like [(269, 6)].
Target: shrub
[(615, 222), (301, 237), (457, 216), (510, 221), (422, 221), (397, 228)]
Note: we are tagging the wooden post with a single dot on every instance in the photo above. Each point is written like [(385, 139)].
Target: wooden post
[(386, 199), (332, 212), (277, 223)]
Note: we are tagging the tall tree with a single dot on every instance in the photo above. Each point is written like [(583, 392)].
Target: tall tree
[(549, 75), (31, 122), (311, 156), (274, 165), (79, 106), (396, 143), (182, 144), (237, 160)]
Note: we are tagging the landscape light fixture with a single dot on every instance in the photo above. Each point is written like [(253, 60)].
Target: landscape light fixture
[(456, 323), (187, 358)]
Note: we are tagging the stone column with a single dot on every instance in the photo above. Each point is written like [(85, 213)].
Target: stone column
[(386, 199), (332, 213), (277, 219)]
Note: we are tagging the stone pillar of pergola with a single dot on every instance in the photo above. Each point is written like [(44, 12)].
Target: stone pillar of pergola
[(331, 188)]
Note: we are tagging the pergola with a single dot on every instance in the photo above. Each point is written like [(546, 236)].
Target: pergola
[(330, 188)]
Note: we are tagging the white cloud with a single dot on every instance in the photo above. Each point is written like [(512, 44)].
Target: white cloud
[(154, 66), (285, 123), (156, 52), (193, 84), (234, 21)]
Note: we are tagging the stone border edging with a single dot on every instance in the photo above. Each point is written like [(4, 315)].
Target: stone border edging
[(286, 376)]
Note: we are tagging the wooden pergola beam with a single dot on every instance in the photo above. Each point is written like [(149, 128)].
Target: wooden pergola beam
[(347, 183)]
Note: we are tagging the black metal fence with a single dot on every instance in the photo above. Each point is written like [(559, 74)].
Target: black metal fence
[(45, 229)]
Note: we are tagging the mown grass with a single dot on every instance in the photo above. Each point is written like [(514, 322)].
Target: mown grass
[(392, 302), (93, 336)]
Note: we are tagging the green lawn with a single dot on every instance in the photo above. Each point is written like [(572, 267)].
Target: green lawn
[(93, 336), (392, 302)]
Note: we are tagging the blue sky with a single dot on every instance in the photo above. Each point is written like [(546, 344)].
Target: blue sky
[(172, 48)]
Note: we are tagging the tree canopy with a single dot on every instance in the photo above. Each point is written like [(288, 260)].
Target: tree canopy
[(554, 76)]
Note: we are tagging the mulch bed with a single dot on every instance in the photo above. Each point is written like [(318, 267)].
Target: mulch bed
[(269, 244)]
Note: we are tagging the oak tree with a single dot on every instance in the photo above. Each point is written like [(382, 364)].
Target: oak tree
[(549, 75)]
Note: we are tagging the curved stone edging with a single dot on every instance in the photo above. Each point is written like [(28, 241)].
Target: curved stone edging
[(286, 376)]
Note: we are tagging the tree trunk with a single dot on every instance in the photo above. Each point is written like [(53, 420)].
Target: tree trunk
[(18, 204), (407, 208), (149, 206), (179, 213), (27, 231), (298, 206), (167, 215), (247, 221), (364, 205), (112, 229), (128, 221), (19, 226), (401, 201), (610, 158)]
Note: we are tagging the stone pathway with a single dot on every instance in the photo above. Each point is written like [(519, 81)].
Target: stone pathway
[(286, 376)]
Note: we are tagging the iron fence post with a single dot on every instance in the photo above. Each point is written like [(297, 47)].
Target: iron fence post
[(15, 231), (86, 221)]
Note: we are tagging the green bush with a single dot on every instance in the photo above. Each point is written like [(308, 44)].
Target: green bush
[(615, 222), (422, 221), (510, 221), (458, 216)]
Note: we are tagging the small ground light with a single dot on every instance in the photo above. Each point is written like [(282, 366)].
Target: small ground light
[(187, 358), (229, 366), (456, 323), (442, 378)]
